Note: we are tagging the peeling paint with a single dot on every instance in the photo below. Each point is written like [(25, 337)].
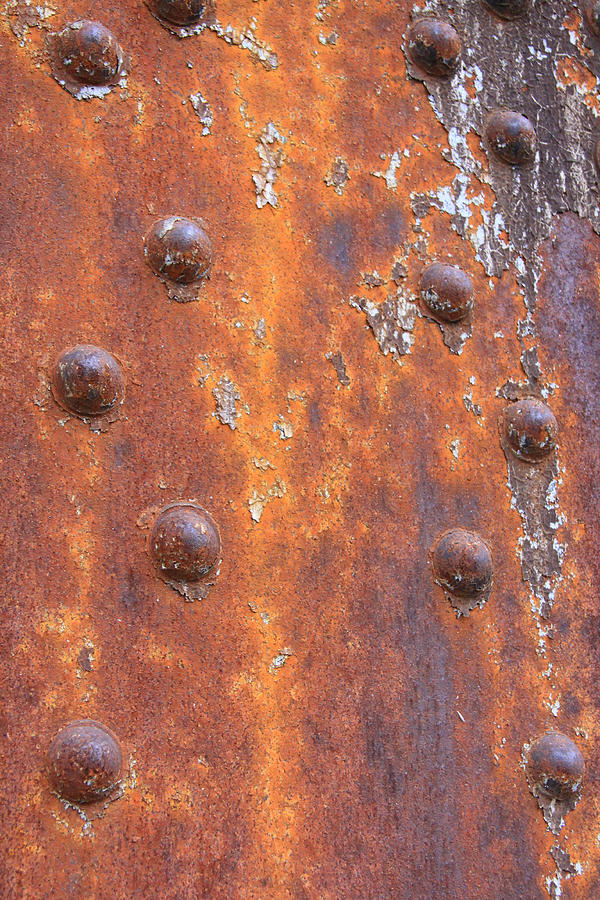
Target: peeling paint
[(392, 322), (269, 149), (226, 395)]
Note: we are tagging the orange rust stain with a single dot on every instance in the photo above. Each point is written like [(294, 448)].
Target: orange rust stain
[(570, 72), (308, 779)]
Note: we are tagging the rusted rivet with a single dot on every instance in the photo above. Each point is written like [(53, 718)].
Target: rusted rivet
[(185, 544), (178, 249), (178, 12), (87, 381), (447, 291), (554, 766), (591, 14), (511, 136), (84, 761), (89, 53), (508, 9), (434, 46), (462, 563), (531, 429)]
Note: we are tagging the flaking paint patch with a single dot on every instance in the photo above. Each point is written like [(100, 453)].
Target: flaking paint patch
[(244, 37), (392, 322), (270, 151), (202, 108), (258, 500), (338, 175), (281, 659), (226, 396), (389, 176), (24, 15)]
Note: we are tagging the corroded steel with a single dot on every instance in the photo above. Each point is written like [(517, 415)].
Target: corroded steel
[(322, 724)]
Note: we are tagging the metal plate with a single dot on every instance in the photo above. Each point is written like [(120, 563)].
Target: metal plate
[(322, 725)]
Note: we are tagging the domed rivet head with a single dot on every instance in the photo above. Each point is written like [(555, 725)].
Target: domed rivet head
[(434, 46), (447, 291), (179, 251), (530, 428), (554, 767), (178, 12), (184, 18), (86, 55), (88, 382), (84, 761), (591, 14), (508, 9), (462, 566), (185, 547), (511, 137)]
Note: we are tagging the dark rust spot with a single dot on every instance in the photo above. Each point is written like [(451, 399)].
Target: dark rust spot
[(185, 544), (591, 14), (87, 381), (85, 659), (555, 766), (178, 249), (84, 761), (447, 291), (508, 9), (462, 563), (178, 12), (89, 53), (511, 137), (531, 429), (434, 46)]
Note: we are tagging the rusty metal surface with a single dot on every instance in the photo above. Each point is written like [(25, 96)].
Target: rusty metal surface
[(321, 724)]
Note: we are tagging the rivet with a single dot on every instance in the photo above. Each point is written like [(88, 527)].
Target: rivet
[(511, 137), (462, 563), (531, 429), (554, 766), (87, 381), (508, 9), (447, 291), (88, 52), (178, 12), (178, 249), (434, 46), (591, 14), (185, 546), (84, 761)]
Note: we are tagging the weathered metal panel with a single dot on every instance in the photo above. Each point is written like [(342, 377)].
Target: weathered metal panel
[(321, 724)]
